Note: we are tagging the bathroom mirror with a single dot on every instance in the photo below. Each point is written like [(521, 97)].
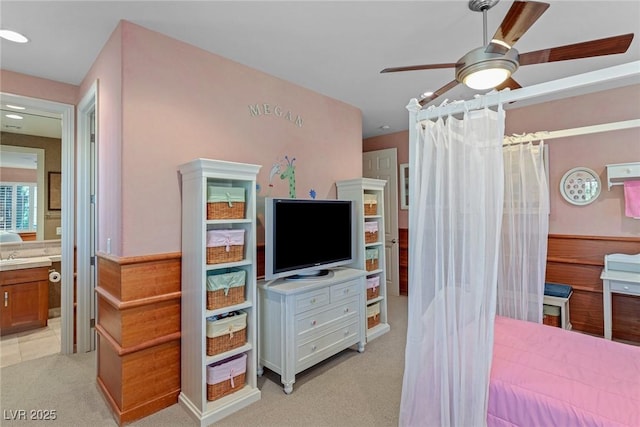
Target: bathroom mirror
[(580, 186), (31, 149)]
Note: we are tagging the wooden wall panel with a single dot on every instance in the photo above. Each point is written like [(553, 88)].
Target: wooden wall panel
[(626, 317), (578, 261), (139, 333), (403, 267), (260, 258)]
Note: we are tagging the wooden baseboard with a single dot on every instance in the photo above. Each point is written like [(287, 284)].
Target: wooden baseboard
[(150, 407)]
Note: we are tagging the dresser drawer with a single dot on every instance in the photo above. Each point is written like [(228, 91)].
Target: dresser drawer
[(310, 350), (346, 290), (320, 318), (311, 300), (629, 288)]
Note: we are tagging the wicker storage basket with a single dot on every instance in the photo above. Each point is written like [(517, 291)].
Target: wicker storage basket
[(373, 287), (225, 202), (371, 231), (370, 204), (225, 377), (373, 315), (225, 246), (371, 263), (551, 315), (225, 288), (226, 332)]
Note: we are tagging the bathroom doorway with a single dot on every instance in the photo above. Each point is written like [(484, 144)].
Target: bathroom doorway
[(66, 206)]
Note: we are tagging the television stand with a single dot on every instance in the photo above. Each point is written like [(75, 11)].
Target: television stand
[(304, 322)]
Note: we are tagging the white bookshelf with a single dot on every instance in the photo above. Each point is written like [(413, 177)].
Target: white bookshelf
[(356, 190), (197, 175)]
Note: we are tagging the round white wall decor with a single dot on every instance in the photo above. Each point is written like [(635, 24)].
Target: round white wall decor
[(580, 186)]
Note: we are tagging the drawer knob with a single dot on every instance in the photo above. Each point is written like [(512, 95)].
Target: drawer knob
[(313, 301), (346, 291), (313, 348), (346, 310), (346, 332), (313, 323)]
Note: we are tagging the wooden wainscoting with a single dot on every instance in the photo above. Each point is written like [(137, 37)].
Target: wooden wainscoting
[(260, 259), (403, 264), (139, 333), (578, 261)]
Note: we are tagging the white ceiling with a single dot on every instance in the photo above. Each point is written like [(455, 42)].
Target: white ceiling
[(336, 48)]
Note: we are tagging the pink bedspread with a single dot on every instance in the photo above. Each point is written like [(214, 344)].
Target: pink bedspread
[(547, 376)]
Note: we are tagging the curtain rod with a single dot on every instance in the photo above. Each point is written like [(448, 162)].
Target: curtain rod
[(592, 78), (585, 130)]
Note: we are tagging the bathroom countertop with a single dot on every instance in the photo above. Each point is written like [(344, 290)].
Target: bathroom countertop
[(22, 263)]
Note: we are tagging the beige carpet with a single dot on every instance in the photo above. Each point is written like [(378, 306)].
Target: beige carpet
[(349, 389)]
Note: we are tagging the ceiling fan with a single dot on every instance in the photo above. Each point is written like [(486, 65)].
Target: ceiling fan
[(492, 64)]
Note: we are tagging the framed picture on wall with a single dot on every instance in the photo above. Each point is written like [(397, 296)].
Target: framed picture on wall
[(404, 186), (55, 191)]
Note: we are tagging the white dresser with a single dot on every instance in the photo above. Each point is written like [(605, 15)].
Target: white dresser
[(621, 275), (303, 322)]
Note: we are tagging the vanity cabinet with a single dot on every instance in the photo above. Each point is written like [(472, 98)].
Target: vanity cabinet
[(25, 299), (303, 322)]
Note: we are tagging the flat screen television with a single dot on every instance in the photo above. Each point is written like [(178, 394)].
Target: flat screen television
[(307, 237)]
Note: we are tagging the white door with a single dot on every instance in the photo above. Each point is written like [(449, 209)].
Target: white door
[(383, 164), (86, 220)]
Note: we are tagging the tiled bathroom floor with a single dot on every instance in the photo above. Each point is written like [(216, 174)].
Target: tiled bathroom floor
[(30, 345)]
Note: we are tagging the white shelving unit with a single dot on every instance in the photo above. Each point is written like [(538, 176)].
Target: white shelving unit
[(197, 175), (357, 190)]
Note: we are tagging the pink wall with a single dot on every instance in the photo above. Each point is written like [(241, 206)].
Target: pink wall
[(107, 71), (34, 87), (605, 216), (178, 103)]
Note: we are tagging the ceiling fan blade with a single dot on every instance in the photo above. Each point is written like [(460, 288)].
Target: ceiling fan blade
[(418, 67), (509, 83), (519, 19), (600, 47), (439, 92)]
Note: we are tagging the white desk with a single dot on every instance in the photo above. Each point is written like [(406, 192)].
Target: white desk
[(621, 275)]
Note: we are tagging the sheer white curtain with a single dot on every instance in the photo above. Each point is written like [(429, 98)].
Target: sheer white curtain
[(455, 217), (525, 228)]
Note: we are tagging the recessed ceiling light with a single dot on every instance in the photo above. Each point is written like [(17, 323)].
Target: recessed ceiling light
[(14, 116), (15, 107), (385, 127), (13, 36)]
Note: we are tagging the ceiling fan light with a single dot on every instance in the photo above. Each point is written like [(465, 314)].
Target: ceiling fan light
[(482, 70), (486, 79)]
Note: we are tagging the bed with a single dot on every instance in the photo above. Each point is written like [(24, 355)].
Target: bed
[(546, 376)]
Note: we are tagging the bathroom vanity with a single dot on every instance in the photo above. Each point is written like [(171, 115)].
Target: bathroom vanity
[(24, 285)]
